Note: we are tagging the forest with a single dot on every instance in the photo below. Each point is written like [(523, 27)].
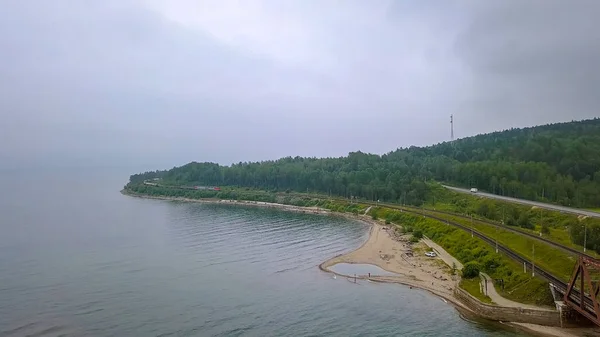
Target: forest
[(556, 163)]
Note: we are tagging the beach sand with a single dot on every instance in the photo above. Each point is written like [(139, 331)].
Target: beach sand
[(393, 254)]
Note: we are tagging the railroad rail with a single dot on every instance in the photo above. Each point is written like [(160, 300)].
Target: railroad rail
[(516, 231)]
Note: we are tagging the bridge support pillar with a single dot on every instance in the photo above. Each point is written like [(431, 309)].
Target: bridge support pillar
[(570, 318)]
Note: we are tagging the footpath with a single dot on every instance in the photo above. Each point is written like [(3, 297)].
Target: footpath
[(487, 285)]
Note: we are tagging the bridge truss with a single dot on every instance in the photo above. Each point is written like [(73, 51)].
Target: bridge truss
[(584, 287)]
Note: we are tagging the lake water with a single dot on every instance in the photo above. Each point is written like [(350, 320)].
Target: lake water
[(77, 258)]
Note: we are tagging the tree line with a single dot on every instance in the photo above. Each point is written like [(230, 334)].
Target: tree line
[(557, 163)]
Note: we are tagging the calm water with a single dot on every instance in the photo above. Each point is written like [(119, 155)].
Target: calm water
[(77, 258)]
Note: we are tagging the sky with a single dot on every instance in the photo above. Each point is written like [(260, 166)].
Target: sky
[(159, 83)]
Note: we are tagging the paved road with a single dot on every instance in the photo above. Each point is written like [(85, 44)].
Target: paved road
[(528, 202), (442, 254)]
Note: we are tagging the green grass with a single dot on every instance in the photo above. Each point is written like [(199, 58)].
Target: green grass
[(558, 234), (558, 231), (560, 224), (473, 287), (551, 259)]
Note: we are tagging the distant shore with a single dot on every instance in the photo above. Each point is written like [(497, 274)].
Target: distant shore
[(291, 208)]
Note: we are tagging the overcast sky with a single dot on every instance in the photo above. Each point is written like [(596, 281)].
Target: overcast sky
[(158, 83)]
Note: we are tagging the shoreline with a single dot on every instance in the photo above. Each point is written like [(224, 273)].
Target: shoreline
[(263, 204), (365, 256), (370, 252), (401, 277)]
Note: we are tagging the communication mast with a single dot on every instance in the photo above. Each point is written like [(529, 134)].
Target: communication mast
[(451, 127)]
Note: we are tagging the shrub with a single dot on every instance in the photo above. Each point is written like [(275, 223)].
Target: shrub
[(524, 221), (418, 234), (545, 229), (470, 270)]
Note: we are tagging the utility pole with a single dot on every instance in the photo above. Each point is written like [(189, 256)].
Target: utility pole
[(471, 224), (451, 128), (533, 262), (584, 236), (541, 224), (496, 240)]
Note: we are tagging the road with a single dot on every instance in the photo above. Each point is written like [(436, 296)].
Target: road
[(443, 254), (528, 202)]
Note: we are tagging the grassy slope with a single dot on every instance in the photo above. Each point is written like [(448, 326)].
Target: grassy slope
[(558, 223), (473, 286), (554, 260)]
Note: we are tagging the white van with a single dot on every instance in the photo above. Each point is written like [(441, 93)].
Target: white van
[(473, 190)]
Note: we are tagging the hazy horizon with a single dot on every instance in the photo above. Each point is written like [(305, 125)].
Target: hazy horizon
[(155, 84)]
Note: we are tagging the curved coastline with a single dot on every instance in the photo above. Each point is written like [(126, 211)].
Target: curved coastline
[(291, 208), (374, 226)]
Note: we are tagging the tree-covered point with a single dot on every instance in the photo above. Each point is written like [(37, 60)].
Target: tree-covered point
[(557, 163)]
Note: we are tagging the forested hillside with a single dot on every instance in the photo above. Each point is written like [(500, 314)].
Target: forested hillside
[(557, 163)]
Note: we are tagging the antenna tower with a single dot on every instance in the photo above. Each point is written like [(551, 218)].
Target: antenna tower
[(452, 127)]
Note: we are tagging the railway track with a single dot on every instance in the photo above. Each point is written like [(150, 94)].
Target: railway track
[(516, 231), (487, 222)]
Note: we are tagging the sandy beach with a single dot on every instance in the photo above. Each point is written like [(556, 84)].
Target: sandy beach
[(398, 255)]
